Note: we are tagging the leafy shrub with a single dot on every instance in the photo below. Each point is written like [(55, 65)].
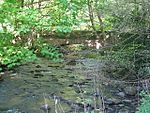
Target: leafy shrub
[(51, 52), (145, 103), (42, 49), (133, 57), (11, 56), (5, 39)]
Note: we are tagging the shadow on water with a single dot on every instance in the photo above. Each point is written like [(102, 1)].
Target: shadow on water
[(42, 87)]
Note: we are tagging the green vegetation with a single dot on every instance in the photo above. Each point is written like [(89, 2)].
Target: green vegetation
[(51, 52), (11, 56), (24, 22), (144, 107), (46, 50)]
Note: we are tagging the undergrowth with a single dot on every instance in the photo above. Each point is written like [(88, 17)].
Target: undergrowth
[(134, 57), (47, 50), (145, 103), (11, 56)]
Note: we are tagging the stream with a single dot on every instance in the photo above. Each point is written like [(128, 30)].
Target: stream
[(46, 87)]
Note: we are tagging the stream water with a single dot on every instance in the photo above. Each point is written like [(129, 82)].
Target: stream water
[(45, 87)]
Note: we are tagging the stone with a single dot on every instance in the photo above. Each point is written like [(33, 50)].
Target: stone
[(13, 74), (112, 101), (38, 66), (121, 105), (38, 75), (9, 111), (127, 101), (130, 90), (55, 65), (32, 71), (121, 94), (108, 101), (45, 107), (110, 110), (124, 111)]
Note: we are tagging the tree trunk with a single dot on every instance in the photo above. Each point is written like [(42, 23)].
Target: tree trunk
[(91, 16), (101, 24), (22, 3)]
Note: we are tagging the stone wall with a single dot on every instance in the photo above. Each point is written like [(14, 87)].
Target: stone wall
[(81, 37)]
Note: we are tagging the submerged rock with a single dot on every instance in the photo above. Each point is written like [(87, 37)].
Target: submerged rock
[(14, 111), (130, 90), (38, 75), (46, 108), (112, 101), (110, 110), (121, 94), (38, 66), (124, 111), (55, 65)]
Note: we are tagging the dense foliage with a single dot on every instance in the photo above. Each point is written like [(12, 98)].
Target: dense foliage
[(11, 56)]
